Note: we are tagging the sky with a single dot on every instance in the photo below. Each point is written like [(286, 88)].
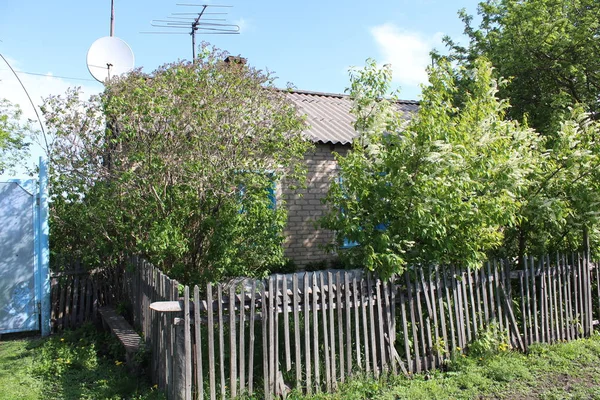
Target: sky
[(309, 44)]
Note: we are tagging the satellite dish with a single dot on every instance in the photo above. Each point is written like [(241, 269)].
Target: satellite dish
[(108, 57)]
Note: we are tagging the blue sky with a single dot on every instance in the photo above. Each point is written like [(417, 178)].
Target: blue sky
[(310, 44)]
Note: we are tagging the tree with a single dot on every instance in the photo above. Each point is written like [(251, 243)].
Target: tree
[(546, 48), (441, 188), (177, 165), (13, 136)]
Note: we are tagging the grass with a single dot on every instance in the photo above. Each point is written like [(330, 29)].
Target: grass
[(16, 359), (80, 364), (559, 371), (85, 364)]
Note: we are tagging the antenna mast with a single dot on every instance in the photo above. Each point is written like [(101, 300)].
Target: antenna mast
[(196, 22), (112, 17)]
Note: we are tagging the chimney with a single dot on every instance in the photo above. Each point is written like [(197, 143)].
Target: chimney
[(236, 60)]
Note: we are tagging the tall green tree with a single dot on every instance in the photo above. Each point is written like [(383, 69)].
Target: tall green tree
[(441, 188), (547, 49), (178, 165), (14, 142)]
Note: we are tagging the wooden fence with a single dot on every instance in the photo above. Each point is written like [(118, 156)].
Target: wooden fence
[(312, 330), (76, 295)]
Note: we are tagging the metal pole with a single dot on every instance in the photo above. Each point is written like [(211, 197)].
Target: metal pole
[(193, 45), (112, 17)]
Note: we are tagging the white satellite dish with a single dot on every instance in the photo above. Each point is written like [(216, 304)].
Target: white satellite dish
[(108, 57)]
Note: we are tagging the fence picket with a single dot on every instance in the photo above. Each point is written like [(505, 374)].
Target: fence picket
[(296, 305), (307, 333), (330, 306), (340, 324)]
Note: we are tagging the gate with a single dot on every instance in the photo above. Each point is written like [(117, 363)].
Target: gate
[(24, 277)]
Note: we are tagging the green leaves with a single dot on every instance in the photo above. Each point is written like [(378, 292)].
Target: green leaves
[(444, 184), (14, 135), (163, 175)]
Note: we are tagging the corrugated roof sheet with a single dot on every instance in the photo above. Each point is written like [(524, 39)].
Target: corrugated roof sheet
[(329, 117)]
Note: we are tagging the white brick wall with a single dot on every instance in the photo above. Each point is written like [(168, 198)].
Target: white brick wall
[(303, 240)]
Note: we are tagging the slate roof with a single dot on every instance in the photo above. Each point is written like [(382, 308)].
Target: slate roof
[(329, 117)]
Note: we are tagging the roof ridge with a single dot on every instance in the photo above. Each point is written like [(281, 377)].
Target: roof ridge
[(338, 95)]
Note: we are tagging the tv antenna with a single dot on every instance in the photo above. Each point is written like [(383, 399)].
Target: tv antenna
[(109, 56), (196, 22)]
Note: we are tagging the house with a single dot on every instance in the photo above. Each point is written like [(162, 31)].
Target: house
[(331, 129)]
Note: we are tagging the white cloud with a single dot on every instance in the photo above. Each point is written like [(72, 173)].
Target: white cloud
[(38, 87), (407, 52)]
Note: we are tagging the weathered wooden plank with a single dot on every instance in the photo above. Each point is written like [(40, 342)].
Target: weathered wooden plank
[(557, 306), (357, 304), (364, 310), (506, 281), (187, 344), (464, 283), (451, 315), (597, 269), (428, 344), (327, 351), (588, 294), (221, 323), (242, 343), (68, 298), (405, 334), (550, 295), (277, 379), (490, 279), (329, 304), (534, 298), (544, 303), (566, 296), (232, 343), (272, 327), (316, 332), (286, 325), (372, 332), (559, 281), (296, 306), (461, 324), (348, 323), (576, 295), (307, 334), (473, 301), (251, 343), (390, 325), (496, 290), (483, 278), (198, 339), (433, 288), (421, 324), (380, 328), (512, 320), (340, 323), (523, 311), (413, 321), (265, 316), (441, 308), (54, 289), (527, 313)]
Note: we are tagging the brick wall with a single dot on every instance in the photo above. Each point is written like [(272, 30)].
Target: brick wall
[(303, 240)]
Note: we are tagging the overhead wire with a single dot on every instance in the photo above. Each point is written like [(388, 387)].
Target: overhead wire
[(31, 101), (51, 76)]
